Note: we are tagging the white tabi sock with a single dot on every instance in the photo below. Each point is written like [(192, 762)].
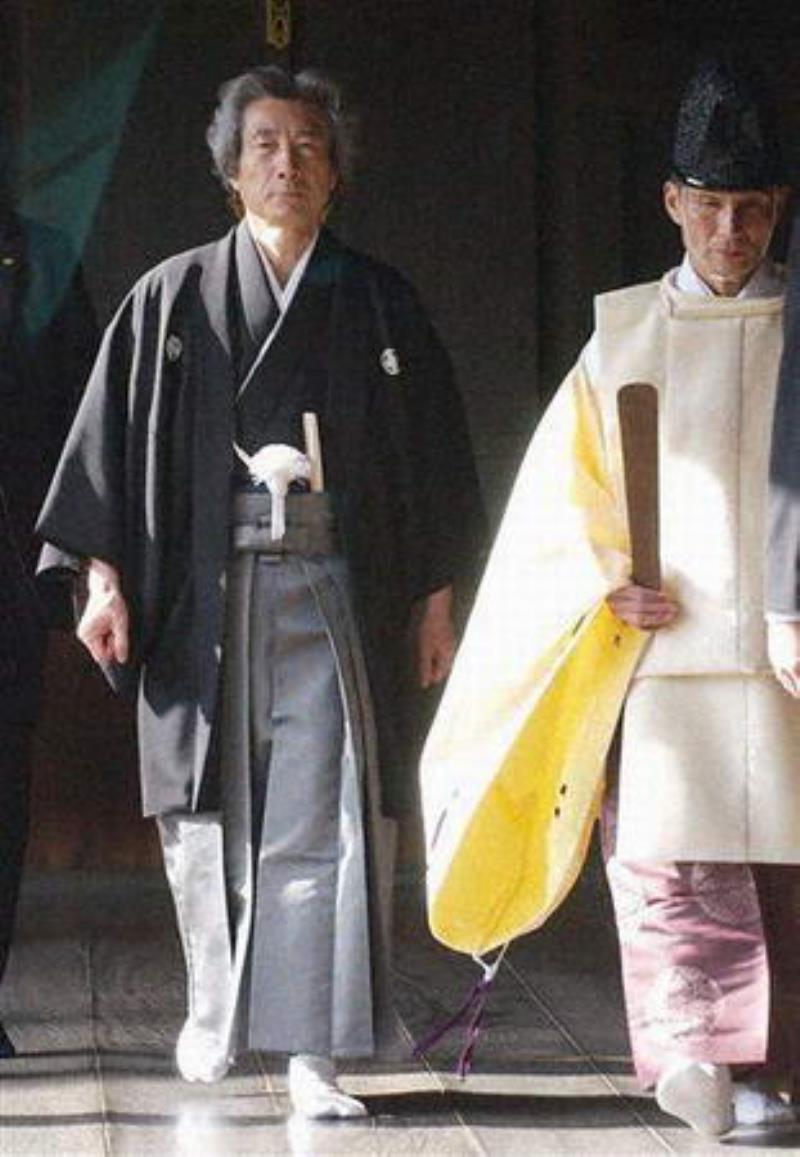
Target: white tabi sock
[(199, 1057), (699, 1093), (314, 1092)]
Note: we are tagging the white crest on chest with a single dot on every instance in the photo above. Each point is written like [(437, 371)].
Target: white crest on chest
[(390, 362)]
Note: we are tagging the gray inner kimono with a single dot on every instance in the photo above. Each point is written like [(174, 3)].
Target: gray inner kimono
[(281, 933)]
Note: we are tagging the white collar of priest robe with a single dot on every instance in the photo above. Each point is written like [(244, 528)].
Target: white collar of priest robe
[(766, 281)]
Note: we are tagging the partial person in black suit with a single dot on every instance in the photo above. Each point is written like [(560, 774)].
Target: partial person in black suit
[(47, 342)]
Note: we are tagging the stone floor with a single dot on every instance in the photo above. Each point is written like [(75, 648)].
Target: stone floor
[(94, 1000)]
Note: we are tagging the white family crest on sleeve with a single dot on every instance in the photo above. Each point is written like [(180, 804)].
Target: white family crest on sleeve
[(173, 347)]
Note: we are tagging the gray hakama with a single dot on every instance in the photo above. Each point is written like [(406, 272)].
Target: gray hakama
[(291, 955)]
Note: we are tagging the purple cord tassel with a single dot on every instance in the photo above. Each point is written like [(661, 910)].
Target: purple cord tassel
[(470, 1011)]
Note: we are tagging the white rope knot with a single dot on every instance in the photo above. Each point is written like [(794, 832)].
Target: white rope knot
[(491, 967), (277, 466)]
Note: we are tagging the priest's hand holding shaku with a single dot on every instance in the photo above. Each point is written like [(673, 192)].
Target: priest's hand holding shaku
[(104, 625), (642, 607)]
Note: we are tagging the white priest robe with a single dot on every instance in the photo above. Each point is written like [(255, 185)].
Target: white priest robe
[(711, 745)]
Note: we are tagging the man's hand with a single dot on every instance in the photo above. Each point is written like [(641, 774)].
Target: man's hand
[(103, 628), (435, 637), (783, 647), (642, 607)]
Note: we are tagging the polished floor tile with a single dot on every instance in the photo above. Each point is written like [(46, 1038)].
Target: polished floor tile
[(94, 999)]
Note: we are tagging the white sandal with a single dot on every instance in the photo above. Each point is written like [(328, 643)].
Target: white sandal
[(315, 1093), (199, 1057), (699, 1093)]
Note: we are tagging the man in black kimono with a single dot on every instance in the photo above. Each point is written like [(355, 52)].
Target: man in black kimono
[(263, 629), (47, 341)]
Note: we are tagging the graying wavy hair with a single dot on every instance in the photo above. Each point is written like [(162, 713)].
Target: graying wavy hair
[(224, 134)]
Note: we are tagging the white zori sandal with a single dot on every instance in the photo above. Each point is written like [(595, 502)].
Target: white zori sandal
[(198, 1056), (700, 1094), (314, 1092)]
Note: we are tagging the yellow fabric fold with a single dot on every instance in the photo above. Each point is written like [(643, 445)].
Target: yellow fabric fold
[(512, 770)]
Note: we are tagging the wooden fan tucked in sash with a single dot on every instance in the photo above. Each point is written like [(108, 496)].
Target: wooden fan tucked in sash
[(313, 451), (523, 847)]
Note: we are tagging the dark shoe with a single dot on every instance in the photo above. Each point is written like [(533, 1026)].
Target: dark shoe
[(755, 1105), (7, 1050)]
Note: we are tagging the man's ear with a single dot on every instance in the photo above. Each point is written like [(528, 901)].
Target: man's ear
[(336, 186), (672, 201), (235, 202)]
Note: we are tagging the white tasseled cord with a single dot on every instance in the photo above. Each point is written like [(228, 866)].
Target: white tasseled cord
[(277, 466)]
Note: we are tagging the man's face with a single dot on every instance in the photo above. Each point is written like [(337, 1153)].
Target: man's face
[(725, 234), (286, 176)]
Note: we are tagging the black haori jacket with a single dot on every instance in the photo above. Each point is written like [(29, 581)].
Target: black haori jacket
[(145, 479)]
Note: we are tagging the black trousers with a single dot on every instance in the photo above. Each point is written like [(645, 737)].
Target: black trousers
[(15, 774)]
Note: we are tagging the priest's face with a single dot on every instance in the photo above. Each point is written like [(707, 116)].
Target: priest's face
[(726, 234), (286, 176)]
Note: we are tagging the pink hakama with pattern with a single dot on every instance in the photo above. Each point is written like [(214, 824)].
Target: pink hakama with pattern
[(710, 962)]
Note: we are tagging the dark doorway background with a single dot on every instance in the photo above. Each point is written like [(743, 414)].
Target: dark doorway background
[(511, 158)]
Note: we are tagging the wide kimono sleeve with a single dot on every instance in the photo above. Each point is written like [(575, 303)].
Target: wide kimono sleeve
[(783, 554), (84, 511), (96, 506), (446, 508), (562, 547)]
